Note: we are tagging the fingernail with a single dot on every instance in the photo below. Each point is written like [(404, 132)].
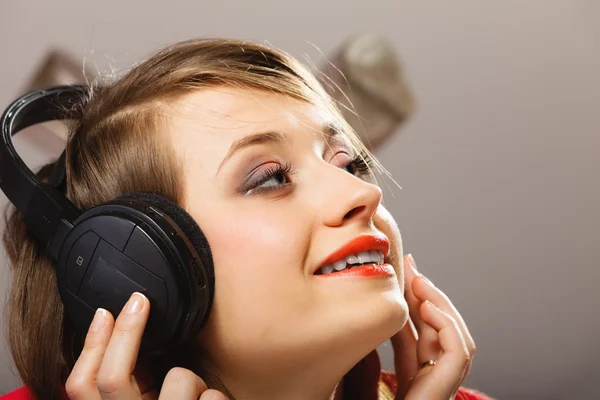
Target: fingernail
[(413, 264), (99, 319), (135, 303), (427, 281), (430, 304)]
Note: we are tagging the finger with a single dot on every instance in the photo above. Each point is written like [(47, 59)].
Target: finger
[(428, 347), (424, 289), (406, 338), (181, 383), (404, 344), (443, 379), (413, 302), (81, 383), (212, 394), (410, 272), (115, 378)]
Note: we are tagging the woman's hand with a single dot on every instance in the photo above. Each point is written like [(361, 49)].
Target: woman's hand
[(434, 331), (105, 368)]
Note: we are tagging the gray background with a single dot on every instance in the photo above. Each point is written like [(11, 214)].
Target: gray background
[(499, 167)]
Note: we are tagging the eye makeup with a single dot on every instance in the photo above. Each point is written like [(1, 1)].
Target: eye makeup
[(265, 170), (253, 182)]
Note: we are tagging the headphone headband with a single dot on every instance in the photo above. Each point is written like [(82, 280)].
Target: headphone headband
[(47, 212)]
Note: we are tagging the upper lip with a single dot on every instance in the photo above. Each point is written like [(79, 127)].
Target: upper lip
[(378, 242)]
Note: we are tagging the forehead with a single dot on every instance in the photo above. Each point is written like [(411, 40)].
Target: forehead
[(214, 118)]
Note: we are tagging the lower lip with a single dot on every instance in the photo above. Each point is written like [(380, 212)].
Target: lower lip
[(365, 271)]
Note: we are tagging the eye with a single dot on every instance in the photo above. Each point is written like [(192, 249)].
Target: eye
[(270, 178), (275, 178), (357, 166)]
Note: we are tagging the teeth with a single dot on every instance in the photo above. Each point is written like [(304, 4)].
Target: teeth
[(339, 265), (352, 260), (376, 256), (327, 269), (363, 257)]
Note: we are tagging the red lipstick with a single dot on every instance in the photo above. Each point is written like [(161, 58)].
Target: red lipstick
[(362, 243)]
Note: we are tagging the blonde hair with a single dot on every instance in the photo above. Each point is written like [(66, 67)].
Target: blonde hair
[(115, 147)]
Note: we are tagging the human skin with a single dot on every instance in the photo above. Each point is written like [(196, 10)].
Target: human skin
[(273, 211), (272, 318)]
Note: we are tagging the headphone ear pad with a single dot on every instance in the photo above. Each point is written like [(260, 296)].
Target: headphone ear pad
[(185, 222)]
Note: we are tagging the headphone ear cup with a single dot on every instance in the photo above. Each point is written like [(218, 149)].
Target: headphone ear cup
[(204, 270), (139, 242), (184, 221)]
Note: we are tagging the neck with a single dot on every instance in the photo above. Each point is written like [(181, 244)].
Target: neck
[(314, 373), (293, 386), (320, 380)]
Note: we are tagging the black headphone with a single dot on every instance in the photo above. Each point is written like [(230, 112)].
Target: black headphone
[(139, 242)]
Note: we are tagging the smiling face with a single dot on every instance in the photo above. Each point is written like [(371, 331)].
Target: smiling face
[(276, 191)]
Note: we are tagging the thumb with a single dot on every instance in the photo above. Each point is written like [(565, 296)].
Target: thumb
[(212, 394)]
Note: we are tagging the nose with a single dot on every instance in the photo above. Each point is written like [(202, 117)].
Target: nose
[(350, 198)]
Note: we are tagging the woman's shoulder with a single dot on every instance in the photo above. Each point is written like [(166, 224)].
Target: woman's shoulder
[(388, 387)]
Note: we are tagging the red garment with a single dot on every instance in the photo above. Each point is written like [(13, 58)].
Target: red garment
[(366, 381), (388, 378), (23, 393), (19, 394)]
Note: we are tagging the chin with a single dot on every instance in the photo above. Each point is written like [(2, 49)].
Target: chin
[(358, 322), (323, 342), (381, 317)]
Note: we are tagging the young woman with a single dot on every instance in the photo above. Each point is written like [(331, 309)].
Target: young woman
[(310, 275)]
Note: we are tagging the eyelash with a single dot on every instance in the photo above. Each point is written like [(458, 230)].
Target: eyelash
[(362, 164), (269, 173)]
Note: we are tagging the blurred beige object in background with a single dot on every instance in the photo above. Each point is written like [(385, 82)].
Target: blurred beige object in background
[(57, 67), (374, 96)]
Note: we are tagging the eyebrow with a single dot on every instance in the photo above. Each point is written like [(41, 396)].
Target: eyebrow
[(272, 137)]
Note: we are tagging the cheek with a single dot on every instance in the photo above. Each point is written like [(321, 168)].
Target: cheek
[(258, 244), (259, 266)]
